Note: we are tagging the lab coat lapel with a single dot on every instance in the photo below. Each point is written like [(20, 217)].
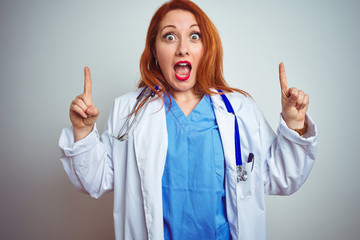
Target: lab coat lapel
[(150, 143), (226, 124)]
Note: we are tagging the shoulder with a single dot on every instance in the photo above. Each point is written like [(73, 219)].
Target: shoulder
[(123, 104), (240, 99), (128, 97), (244, 105), (239, 102)]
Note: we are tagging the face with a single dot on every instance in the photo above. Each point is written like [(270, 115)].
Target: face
[(178, 50)]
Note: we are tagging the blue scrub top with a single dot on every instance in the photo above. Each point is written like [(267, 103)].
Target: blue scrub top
[(193, 179)]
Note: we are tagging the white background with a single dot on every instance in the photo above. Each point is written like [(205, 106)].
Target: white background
[(44, 46)]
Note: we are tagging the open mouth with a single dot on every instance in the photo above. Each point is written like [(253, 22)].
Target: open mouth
[(182, 70)]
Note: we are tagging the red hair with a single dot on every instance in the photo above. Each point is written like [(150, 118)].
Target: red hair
[(210, 70)]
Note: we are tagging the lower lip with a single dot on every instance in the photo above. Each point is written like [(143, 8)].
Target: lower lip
[(182, 78)]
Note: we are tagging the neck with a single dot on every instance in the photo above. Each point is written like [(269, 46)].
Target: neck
[(187, 101), (184, 96)]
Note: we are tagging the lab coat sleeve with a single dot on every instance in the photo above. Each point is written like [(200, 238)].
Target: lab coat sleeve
[(289, 157), (88, 162)]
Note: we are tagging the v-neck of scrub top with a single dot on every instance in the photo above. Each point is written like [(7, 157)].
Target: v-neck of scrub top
[(193, 179)]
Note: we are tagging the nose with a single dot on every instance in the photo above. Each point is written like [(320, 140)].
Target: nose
[(183, 49)]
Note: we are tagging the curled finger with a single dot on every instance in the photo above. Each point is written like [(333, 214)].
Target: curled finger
[(92, 112), (78, 110), (300, 99), (305, 102), (86, 98), (79, 102), (293, 96)]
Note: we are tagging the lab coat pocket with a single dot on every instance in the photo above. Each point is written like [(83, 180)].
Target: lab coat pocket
[(246, 188)]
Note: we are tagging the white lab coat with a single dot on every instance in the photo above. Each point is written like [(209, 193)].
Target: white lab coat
[(133, 169)]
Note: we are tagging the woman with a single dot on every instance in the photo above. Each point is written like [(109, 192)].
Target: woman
[(183, 172)]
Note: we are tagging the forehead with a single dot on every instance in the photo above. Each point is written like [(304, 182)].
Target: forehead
[(178, 18)]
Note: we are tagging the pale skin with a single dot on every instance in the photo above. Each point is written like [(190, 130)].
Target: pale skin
[(83, 113), (179, 39), (184, 46), (294, 102)]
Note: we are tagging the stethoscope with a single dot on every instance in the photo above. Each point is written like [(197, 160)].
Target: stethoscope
[(124, 136), (242, 174)]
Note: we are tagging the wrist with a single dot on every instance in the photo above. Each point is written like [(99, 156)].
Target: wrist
[(298, 126), (81, 133), (301, 131), (293, 123)]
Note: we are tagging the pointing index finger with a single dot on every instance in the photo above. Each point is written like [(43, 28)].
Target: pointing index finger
[(87, 81), (282, 78)]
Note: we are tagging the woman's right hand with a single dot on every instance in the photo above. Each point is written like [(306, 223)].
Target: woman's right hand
[(83, 113)]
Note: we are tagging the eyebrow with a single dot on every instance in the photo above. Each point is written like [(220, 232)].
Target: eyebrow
[(173, 26)]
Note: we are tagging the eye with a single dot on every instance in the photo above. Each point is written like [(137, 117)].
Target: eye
[(195, 36), (169, 36)]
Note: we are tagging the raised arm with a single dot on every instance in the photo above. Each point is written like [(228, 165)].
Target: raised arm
[(87, 160), (289, 158)]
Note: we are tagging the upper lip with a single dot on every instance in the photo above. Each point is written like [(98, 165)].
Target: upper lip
[(183, 62)]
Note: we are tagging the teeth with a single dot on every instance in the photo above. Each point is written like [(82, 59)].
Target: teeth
[(183, 64)]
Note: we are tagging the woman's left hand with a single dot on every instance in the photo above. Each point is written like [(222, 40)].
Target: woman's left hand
[(294, 102)]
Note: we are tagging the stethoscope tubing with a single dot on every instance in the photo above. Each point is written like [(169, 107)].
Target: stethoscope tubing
[(230, 109), (124, 136)]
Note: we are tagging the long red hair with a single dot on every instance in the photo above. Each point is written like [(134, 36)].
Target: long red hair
[(210, 70)]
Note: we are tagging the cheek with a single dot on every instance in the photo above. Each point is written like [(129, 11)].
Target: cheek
[(163, 55), (198, 52), (165, 65)]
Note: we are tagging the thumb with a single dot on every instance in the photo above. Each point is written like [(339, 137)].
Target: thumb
[(92, 112)]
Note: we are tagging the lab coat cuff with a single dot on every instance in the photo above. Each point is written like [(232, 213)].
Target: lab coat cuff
[(308, 138), (71, 148)]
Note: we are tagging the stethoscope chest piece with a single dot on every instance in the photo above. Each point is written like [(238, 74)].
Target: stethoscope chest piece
[(242, 175)]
